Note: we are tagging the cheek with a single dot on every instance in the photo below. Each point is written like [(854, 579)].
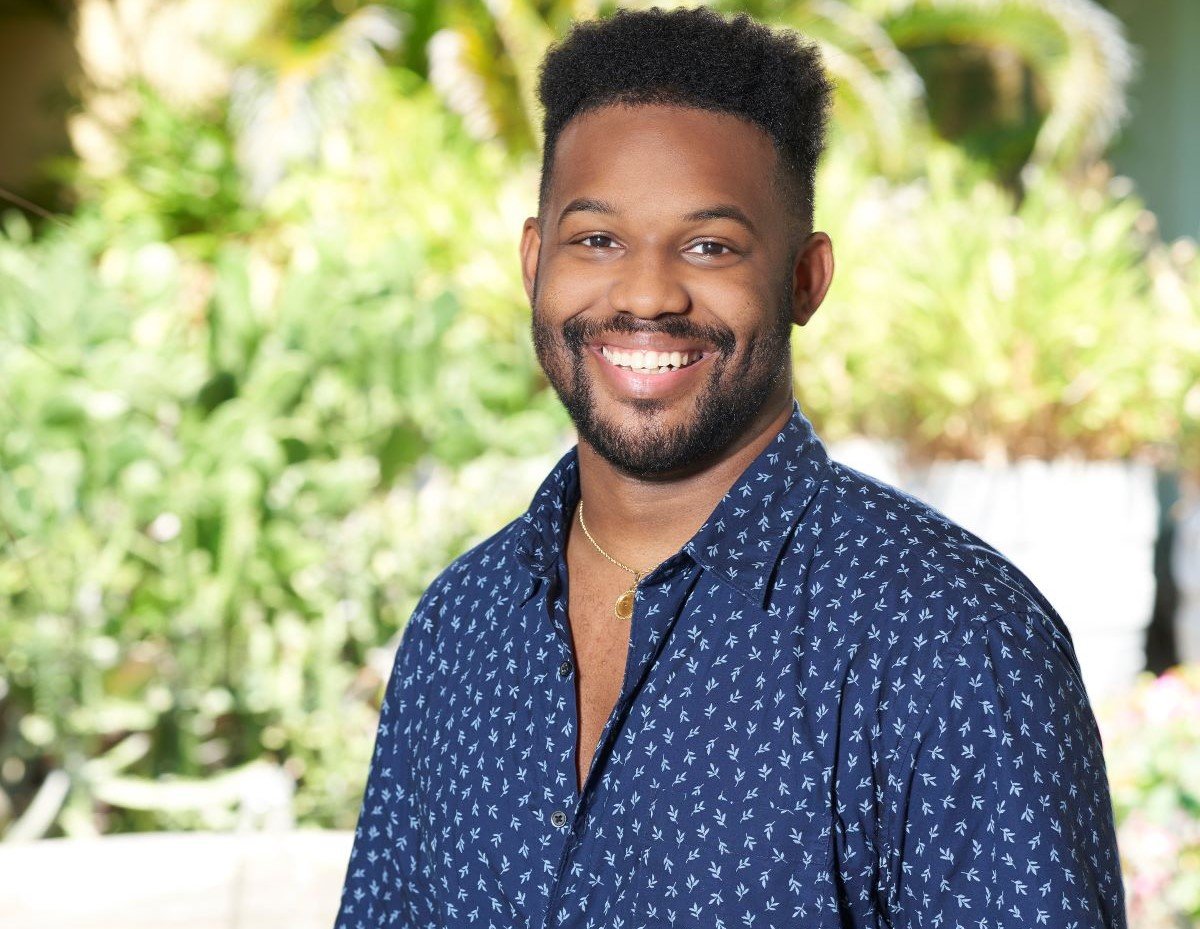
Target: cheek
[(745, 313), (562, 293)]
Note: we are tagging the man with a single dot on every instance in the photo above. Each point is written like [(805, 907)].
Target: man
[(712, 677)]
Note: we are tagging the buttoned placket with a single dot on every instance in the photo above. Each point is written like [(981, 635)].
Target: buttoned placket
[(654, 613)]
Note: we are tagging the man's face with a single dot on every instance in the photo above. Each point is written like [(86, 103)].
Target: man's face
[(628, 261)]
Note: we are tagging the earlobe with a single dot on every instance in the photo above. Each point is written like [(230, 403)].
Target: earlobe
[(801, 311)]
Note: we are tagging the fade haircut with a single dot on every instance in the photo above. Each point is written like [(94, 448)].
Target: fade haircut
[(695, 58)]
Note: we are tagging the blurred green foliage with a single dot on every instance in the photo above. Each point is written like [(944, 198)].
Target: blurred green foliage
[(179, 180), (1013, 81), (967, 324), (226, 472), (276, 373)]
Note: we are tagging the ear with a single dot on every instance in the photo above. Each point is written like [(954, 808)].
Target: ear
[(531, 247), (811, 276)]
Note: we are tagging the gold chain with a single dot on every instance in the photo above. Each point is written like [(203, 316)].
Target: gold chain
[(623, 609), (638, 574)]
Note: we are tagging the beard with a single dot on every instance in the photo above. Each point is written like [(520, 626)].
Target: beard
[(738, 387)]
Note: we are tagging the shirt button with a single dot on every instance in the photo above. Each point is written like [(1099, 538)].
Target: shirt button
[(565, 668), (558, 817)]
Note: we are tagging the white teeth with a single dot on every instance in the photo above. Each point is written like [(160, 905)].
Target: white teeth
[(650, 362)]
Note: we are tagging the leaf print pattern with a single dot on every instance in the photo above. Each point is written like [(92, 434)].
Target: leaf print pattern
[(839, 709)]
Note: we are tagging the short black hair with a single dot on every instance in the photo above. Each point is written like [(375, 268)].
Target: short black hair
[(694, 57)]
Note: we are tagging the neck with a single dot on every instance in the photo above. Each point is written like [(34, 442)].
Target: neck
[(642, 522)]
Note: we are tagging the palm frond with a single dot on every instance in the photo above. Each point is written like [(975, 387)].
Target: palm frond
[(455, 76), (1075, 47), (483, 63), (282, 105), (526, 37)]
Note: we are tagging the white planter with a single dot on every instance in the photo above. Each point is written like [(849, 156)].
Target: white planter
[(1082, 531), (260, 880)]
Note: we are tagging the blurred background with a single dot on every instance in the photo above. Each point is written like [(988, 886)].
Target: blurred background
[(265, 370)]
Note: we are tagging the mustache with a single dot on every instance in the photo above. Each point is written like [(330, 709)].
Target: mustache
[(578, 332)]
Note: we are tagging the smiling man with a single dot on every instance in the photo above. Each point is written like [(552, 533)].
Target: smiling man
[(713, 677)]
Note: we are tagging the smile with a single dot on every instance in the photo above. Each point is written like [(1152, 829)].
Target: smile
[(650, 362)]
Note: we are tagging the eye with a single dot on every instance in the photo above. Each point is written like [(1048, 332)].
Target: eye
[(728, 250), (594, 235)]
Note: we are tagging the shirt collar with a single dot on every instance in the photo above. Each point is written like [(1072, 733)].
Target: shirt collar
[(743, 538)]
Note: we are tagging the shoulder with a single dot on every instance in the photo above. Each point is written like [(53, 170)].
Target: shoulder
[(419, 648), (1025, 658), (917, 602), (488, 565), (916, 553)]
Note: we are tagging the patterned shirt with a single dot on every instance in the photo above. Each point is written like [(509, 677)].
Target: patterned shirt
[(839, 709)]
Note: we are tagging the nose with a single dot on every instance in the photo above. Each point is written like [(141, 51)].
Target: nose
[(647, 286)]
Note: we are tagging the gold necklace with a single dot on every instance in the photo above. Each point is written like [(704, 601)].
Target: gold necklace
[(623, 608)]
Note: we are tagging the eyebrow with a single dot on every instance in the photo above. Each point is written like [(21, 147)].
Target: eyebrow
[(716, 211)]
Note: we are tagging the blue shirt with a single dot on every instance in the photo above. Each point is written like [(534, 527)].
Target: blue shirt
[(839, 709)]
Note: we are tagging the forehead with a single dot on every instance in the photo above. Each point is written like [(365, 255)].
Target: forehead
[(657, 158)]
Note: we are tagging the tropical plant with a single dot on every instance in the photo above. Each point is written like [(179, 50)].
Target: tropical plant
[(288, 99), (177, 178), (965, 325), (225, 479), (1072, 53), (277, 103)]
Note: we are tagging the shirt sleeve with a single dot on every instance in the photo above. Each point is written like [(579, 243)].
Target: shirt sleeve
[(386, 880), (1005, 818)]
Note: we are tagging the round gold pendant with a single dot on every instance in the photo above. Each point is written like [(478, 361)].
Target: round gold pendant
[(624, 607)]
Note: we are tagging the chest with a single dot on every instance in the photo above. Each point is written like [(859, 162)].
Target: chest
[(600, 642), (712, 787), (708, 792)]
